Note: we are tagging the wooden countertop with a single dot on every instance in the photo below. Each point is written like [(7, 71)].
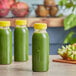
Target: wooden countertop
[(25, 69)]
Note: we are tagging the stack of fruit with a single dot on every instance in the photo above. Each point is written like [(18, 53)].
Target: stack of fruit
[(68, 52), (49, 8), (4, 8), (19, 9)]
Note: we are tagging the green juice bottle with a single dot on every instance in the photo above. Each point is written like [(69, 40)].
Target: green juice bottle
[(5, 43), (21, 41), (40, 48)]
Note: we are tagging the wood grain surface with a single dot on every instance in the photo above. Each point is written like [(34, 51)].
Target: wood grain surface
[(64, 61), (51, 22)]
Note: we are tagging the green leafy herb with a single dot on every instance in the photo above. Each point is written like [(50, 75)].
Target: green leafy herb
[(70, 22), (69, 5), (68, 38), (72, 40), (62, 2)]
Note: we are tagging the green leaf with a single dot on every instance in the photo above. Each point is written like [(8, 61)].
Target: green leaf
[(70, 22), (62, 2), (72, 40), (69, 5), (68, 38)]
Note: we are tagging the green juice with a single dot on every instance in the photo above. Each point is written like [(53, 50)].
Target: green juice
[(5, 46), (40, 52), (21, 44)]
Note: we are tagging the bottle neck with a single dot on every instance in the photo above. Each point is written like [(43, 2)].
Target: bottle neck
[(7, 27), (20, 26), (40, 30)]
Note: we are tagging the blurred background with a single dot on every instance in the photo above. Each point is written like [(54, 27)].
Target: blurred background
[(56, 29)]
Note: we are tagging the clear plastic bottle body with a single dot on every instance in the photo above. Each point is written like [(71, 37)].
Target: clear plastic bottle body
[(21, 43), (5, 45), (40, 51)]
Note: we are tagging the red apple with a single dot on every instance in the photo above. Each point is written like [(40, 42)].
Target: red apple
[(20, 9), (11, 2), (4, 8)]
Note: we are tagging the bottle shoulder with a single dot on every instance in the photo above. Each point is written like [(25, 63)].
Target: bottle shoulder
[(45, 35), (21, 30), (5, 31)]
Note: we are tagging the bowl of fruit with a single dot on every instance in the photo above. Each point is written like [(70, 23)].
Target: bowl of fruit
[(49, 8), (17, 8)]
